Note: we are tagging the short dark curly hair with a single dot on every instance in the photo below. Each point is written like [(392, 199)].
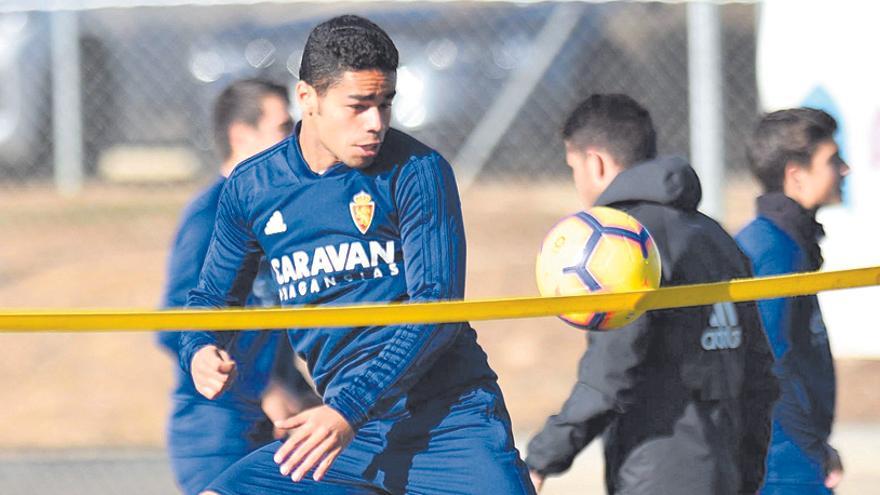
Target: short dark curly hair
[(783, 137), (345, 43)]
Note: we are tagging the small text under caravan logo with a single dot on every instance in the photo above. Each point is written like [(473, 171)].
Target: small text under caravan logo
[(362, 209)]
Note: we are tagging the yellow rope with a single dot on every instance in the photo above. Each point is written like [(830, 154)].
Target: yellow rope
[(387, 314)]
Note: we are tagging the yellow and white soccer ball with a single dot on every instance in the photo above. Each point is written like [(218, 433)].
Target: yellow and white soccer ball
[(594, 251)]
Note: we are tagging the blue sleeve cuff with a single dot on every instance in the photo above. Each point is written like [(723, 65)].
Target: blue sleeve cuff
[(190, 343), (351, 409)]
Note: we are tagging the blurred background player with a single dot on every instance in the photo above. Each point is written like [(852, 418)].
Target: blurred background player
[(206, 436), (794, 156), (682, 396), (348, 210)]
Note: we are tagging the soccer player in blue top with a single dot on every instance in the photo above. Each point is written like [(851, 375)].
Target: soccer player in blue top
[(205, 437), (794, 156), (349, 211)]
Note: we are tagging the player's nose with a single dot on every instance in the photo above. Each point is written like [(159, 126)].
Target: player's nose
[(374, 121)]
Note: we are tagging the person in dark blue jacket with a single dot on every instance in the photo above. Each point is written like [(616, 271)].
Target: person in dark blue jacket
[(793, 155), (348, 210), (205, 437)]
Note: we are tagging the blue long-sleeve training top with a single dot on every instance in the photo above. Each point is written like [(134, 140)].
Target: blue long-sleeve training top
[(254, 351), (390, 232)]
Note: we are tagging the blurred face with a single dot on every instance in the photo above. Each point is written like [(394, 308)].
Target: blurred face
[(348, 122), (591, 173), (820, 183), (273, 125)]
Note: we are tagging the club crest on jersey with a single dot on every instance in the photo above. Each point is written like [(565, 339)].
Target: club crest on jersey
[(362, 209)]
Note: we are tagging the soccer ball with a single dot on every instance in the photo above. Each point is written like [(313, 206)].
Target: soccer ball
[(594, 251)]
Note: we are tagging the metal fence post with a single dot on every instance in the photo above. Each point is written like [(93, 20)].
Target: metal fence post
[(706, 102), (66, 104)]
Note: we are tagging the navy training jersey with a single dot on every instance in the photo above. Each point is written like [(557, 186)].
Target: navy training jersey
[(390, 232), (254, 351)]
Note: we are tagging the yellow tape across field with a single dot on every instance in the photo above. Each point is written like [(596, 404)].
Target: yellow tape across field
[(386, 314)]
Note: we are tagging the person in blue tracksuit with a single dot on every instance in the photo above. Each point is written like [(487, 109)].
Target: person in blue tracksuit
[(205, 437), (795, 158), (350, 211)]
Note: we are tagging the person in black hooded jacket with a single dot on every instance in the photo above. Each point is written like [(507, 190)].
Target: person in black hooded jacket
[(682, 397)]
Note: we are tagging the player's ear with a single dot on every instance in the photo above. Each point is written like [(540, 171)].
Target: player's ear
[(595, 164), (607, 167), (306, 97), (793, 175)]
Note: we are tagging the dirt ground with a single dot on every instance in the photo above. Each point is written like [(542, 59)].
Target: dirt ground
[(106, 248)]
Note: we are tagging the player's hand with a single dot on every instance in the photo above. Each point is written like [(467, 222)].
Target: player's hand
[(317, 437), (833, 468), (537, 480), (213, 371), (279, 404)]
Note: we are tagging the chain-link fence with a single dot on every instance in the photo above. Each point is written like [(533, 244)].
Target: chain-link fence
[(149, 74)]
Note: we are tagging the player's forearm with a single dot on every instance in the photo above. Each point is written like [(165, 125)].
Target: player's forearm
[(412, 351), (189, 345), (189, 342), (607, 376), (795, 411), (799, 425), (584, 415), (552, 451)]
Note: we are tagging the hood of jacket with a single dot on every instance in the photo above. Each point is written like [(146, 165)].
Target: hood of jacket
[(669, 181)]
